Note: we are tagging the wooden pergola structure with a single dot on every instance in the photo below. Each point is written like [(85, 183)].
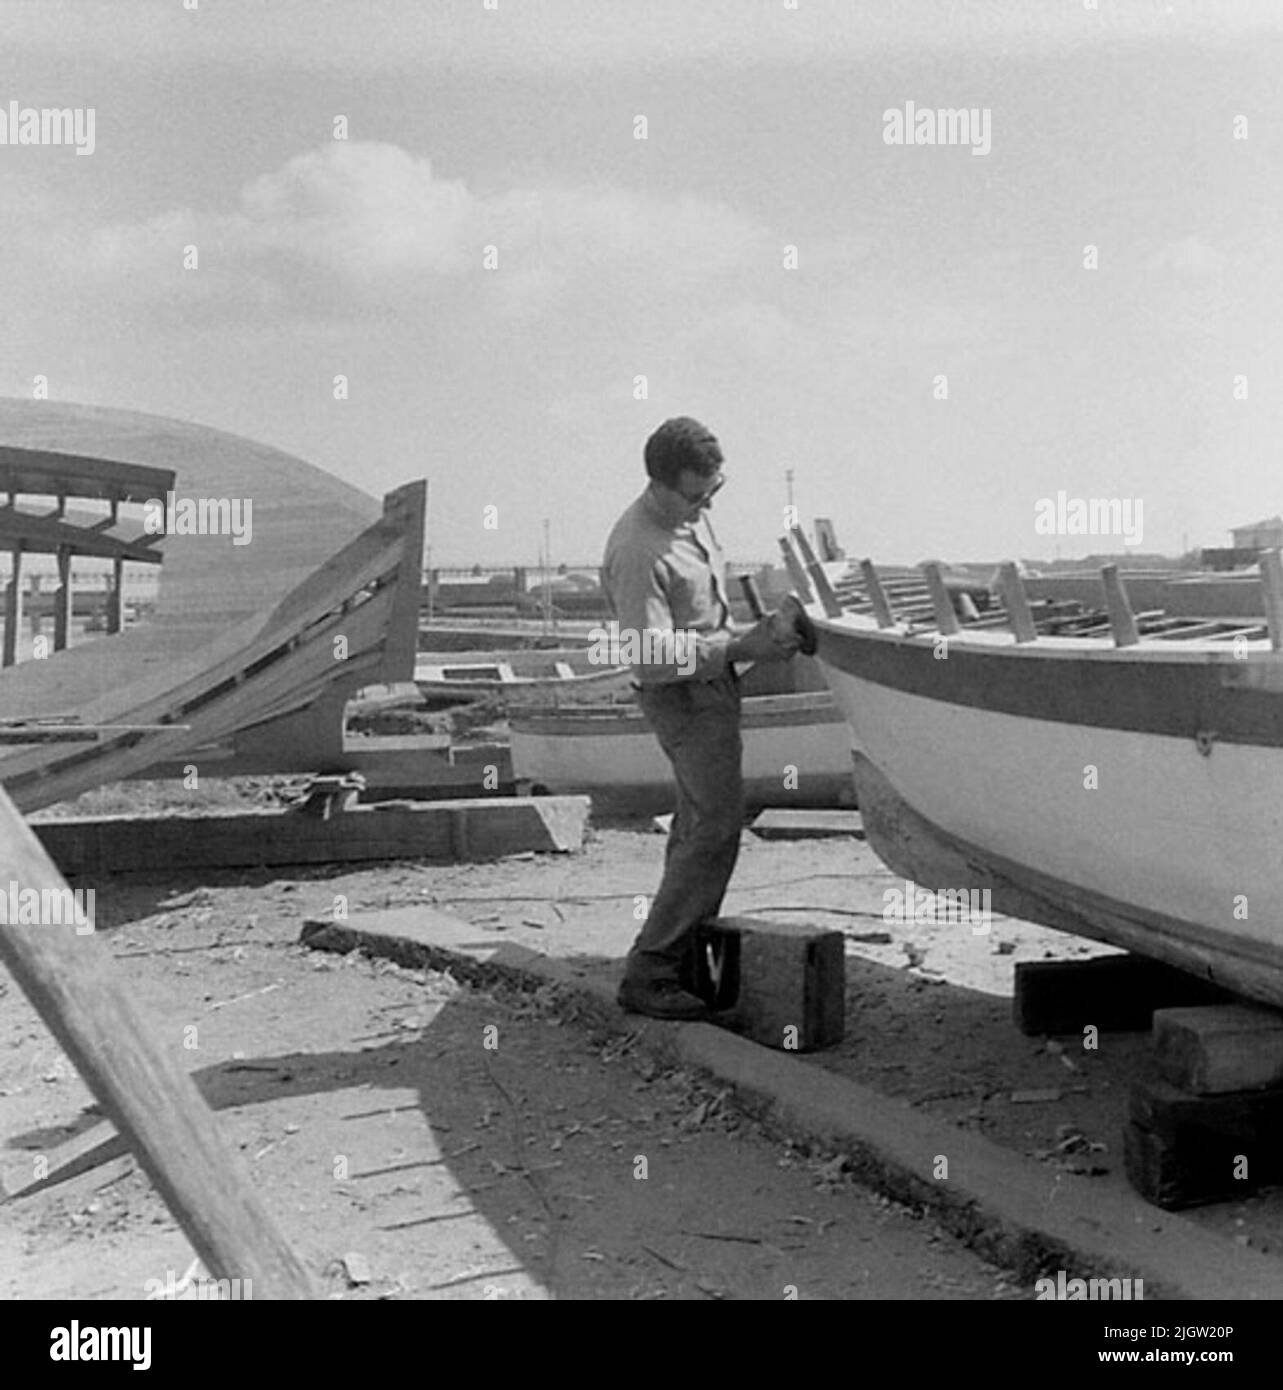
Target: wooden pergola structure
[(68, 532)]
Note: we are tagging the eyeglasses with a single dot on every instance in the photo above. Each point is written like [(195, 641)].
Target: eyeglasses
[(706, 496)]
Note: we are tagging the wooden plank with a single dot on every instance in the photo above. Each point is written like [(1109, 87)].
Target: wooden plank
[(1012, 589), (819, 580), (795, 571), (465, 828), (1272, 588), (877, 595), (941, 601), (756, 608), (784, 823), (1219, 1048), (1116, 994), (1188, 630), (74, 985)]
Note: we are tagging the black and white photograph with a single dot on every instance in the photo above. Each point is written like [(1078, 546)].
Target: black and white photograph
[(642, 661)]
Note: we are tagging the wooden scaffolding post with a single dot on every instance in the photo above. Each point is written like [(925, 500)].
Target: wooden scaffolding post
[(13, 606), (116, 599), (142, 1086), (62, 600)]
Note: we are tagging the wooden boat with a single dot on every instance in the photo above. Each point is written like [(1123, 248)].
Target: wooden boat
[(253, 649), (474, 675), (796, 753), (1113, 774)]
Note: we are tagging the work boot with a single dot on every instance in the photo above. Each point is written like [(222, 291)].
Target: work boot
[(660, 999)]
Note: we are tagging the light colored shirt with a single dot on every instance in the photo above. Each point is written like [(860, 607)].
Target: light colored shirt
[(665, 578)]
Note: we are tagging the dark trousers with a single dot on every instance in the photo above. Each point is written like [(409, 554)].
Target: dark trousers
[(698, 727)]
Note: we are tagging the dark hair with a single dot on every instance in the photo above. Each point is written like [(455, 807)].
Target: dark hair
[(680, 444)]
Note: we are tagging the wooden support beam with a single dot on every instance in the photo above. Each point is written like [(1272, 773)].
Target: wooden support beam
[(116, 599), (13, 607), (941, 601), (797, 574), (877, 595), (1016, 602), (1116, 994), (467, 828), (62, 600), (819, 580), (1272, 587), (1122, 620), (140, 1084)]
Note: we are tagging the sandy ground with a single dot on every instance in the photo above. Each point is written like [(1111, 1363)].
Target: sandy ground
[(378, 1123), (405, 1158)]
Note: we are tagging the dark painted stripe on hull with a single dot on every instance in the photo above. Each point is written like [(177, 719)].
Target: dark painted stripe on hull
[(1178, 699)]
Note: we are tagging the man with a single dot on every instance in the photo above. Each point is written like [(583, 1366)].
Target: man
[(665, 581)]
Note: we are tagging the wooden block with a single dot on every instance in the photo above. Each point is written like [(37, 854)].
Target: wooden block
[(783, 823), (1180, 1150), (1219, 1048), (781, 984), (467, 828), (1116, 994)]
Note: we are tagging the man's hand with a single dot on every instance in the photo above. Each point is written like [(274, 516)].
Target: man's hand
[(773, 638), (792, 612)]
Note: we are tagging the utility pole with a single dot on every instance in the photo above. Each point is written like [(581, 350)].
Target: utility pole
[(547, 579), (788, 482)]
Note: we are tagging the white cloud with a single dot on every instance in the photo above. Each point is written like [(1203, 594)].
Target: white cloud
[(356, 226)]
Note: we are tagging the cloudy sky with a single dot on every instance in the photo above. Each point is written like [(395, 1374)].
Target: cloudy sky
[(917, 268)]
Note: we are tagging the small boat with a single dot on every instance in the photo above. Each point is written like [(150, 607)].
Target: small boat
[(474, 675), (796, 753), (1111, 773)]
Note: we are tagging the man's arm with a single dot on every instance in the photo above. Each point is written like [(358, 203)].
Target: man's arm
[(662, 654), (658, 651)]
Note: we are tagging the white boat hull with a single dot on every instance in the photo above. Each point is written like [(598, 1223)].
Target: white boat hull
[(1155, 840), (796, 753)]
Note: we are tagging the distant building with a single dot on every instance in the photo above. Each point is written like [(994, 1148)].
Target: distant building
[(1260, 535)]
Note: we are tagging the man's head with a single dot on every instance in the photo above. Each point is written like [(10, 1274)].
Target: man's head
[(684, 459)]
